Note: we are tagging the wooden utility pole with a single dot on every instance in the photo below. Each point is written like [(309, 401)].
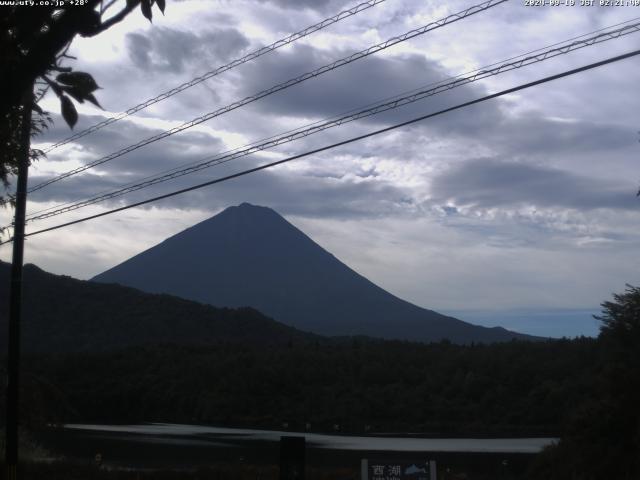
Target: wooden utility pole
[(15, 298)]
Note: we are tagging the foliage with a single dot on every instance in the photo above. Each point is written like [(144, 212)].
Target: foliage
[(106, 317), (239, 367), (186, 362), (511, 388), (602, 440), (29, 449), (34, 42), (67, 470), (621, 319)]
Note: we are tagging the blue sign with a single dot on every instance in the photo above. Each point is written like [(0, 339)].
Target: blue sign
[(373, 469)]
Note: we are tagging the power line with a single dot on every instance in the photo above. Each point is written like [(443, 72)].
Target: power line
[(217, 71), (356, 56), (344, 142), (180, 167), (289, 83), (380, 107), (35, 215)]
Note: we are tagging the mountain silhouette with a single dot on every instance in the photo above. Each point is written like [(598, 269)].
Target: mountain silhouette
[(63, 314), (250, 256)]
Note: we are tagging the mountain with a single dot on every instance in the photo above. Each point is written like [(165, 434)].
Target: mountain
[(62, 314), (251, 256)]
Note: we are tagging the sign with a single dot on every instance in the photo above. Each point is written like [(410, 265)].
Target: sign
[(373, 469)]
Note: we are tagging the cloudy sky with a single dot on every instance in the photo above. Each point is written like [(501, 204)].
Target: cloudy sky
[(520, 212)]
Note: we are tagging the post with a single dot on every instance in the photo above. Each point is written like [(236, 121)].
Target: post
[(364, 469), (15, 298), (292, 458)]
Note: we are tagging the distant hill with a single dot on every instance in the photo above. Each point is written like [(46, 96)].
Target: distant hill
[(62, 314), (251, 256)]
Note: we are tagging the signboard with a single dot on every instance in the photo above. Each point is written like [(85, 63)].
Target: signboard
[(373, 469)]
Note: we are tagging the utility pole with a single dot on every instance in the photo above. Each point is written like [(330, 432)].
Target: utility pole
[(15, 298)]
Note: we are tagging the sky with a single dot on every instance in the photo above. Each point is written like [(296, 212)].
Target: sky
[(519, 212)]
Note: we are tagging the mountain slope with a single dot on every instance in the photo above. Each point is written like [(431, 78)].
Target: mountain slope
[(251, 256), (62, 314)]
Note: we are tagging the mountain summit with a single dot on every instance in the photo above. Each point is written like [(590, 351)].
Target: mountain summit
[(251, 256)]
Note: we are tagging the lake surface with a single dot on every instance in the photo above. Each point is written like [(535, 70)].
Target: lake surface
[(201, 436), (171, 446)]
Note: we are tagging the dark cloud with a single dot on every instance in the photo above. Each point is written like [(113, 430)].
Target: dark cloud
[(177, 150), (300, 193), (534, 134), (317, 191), (361, 83), (169, 50), (489, 183), (306, 194), (320, 5)]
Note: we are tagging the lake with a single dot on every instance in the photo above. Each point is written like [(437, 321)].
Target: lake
[(162, 445), (231, 437)]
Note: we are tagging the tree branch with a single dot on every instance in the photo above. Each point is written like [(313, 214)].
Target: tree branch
[(117, 18), (104, 8), (46, 47)]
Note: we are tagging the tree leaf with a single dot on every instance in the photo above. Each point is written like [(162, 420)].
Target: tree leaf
[(161, 5), (56, 88), (145, 6), (93, 100), (69, 112), (75, 93), (82, 80)]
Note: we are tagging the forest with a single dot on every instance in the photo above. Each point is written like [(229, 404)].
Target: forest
[(259, 373), (517, 388)]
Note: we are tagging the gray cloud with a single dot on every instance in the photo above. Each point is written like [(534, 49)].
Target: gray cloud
[(317, 191), (310, 194), (321, 5), (534, 134), (167, 49), (488, 183), (180, 149), (359, 84)]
